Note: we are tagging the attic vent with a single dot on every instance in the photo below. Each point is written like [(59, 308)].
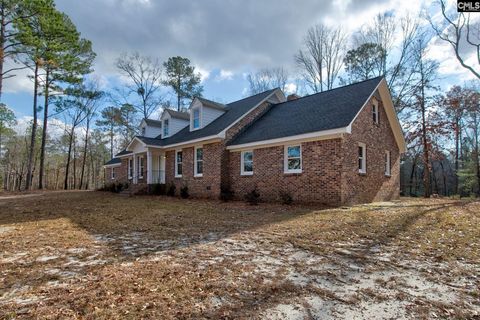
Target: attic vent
[(292, 96)]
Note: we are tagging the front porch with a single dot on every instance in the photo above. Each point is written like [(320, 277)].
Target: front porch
[(145, 165)]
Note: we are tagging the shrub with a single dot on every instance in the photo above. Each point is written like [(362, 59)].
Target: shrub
[(119, 187), (157, 189), (253, 197), (171, 190), (226, 194), (184, 192), (111, 187), (285, 197)]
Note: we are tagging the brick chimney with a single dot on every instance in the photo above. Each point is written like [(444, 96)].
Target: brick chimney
[(292, 96)]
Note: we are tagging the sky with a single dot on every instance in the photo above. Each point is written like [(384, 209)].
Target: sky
[(224, 39)]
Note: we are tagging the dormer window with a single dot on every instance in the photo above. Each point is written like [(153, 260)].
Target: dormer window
[(165, 128), (196, 118)]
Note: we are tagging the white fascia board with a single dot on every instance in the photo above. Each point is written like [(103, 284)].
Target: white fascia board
[(133, 140), (112, 165), (212, 138), (124, 155), (312, 136)]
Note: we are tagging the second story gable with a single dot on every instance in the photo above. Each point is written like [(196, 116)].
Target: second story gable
[(172, 122), (203, 112), (150, 128)]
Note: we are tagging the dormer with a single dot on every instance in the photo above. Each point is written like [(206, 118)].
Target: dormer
[(173, 121), (150, 128), (203, 111)]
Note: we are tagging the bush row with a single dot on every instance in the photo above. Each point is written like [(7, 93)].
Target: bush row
[(226, 194)]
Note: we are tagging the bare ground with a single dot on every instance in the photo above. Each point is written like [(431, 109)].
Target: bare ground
[(101, 256)]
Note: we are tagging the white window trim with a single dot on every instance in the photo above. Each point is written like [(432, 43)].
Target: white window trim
[(197, 175), (141, 167), (176, 164), (285, 159), (112, 173), (388, 163), (129, 168), (199, 118), (375, 109), (364, 158), (242, 162)]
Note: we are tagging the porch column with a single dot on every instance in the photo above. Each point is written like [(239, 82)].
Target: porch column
[(149, 167), (135, 171)]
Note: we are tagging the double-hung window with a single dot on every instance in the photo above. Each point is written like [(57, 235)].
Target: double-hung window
[(165, 128), (246, 165), (130, 168), (388, 164), (293, 159), (178, 163), (362, 158), (198, 162), (113, 173), (196, 118)]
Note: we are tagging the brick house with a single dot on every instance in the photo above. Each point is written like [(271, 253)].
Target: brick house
[(340, 146)]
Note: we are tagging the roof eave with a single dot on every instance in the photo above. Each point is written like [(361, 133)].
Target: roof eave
[(311, 136)]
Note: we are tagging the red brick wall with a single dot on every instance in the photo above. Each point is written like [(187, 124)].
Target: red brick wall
[(216, 164), (319, 181), (207, 186), (374, 185)]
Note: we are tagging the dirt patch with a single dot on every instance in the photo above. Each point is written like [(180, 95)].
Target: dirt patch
[(66, 255)]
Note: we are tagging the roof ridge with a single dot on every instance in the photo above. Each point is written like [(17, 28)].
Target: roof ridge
[(202, 98), (271, 90), (316, 93)]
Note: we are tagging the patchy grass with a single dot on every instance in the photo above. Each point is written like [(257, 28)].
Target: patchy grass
[(102, 256)]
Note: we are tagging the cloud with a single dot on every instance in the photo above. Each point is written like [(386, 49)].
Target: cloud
[(224, 75), (290, 88), (19, 83), (204, 73)]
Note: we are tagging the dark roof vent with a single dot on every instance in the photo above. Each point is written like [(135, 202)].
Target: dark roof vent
[(292, 96)]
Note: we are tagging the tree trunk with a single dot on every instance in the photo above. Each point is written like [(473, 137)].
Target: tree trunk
[(412, 173), (84, 154), (67, 166), (178, 93), (457, 144), (74, 162), (477, 149), (2, 44), (426, 160), (34, 130), (111, 141), (44, 133)]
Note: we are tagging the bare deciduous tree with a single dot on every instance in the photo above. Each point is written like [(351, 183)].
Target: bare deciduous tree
[(461, 33), (322, 56), (145, 75), (266, 79), (396, 62)]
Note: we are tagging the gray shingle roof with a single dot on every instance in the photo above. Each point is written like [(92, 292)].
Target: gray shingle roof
[(233, 111), (113, 161), (122, 153), (330, 109), (179, 115), (153, 123)]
